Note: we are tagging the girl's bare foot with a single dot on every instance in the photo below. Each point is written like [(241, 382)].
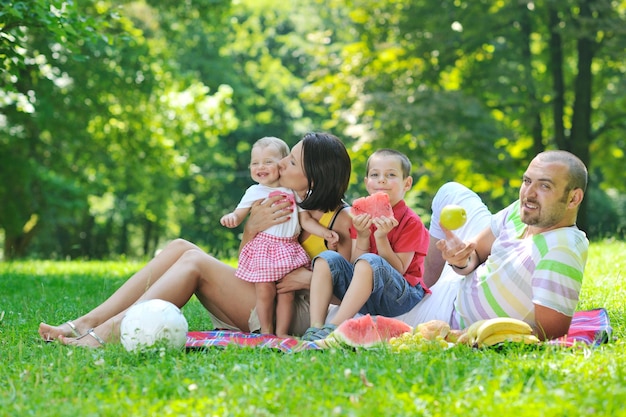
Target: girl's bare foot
[(50, 333)]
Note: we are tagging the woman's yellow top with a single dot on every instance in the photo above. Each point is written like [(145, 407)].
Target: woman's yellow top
[(314, 245)]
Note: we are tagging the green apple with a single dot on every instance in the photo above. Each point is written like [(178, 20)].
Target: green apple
[(452, 217)]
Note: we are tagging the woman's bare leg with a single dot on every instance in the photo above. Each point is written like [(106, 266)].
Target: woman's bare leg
[(214, 283), (128, 294)]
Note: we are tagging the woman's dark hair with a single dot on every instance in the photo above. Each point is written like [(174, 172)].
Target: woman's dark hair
[(327, 166)]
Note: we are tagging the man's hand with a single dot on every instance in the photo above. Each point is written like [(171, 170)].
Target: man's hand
[(454, 251)]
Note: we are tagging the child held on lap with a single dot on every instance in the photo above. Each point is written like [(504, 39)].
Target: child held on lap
[(385, 276), (276, 251)]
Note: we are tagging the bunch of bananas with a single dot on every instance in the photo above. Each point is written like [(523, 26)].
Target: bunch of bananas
[(491, 332)]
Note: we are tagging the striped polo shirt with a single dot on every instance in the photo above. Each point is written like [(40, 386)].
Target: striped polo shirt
[(546, 269)]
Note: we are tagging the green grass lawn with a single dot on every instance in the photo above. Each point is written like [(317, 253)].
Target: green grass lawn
[(47, 379)]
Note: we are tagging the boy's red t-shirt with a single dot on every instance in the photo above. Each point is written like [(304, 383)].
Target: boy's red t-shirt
[(410, 235)]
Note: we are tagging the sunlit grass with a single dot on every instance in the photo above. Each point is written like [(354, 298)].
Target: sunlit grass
[(52, 380)]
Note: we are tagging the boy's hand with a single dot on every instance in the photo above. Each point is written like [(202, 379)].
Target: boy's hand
[(362, 224), (384, 225)]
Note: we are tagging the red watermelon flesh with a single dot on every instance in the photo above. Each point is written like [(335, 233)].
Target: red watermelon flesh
[(376, 205), (369, 331), (389, 327)]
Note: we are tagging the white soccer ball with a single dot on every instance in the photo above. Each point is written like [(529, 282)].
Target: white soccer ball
[(153, 322)]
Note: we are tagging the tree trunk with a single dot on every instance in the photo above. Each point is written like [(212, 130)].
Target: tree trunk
[(580, 138), (558, 85), (534, 109), (16, 244)]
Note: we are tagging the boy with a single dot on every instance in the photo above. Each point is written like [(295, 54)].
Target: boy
[(386, 273)]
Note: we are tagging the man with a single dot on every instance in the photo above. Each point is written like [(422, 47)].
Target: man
[(527, 262)]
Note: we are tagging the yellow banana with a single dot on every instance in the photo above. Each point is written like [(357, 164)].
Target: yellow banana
[(502, 325), (472, 332), (496, 338)]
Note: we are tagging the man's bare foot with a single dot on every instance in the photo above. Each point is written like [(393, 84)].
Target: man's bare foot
[(50, 333), (90, 339)]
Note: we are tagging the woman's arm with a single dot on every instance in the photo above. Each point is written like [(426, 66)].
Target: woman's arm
[(264, 214)]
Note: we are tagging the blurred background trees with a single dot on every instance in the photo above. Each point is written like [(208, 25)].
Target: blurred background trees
[(127, 123)]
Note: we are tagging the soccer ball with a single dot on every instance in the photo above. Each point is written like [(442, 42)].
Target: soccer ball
[(153, 323)]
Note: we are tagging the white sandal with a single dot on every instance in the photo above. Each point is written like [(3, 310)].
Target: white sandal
[(93, 334), (72, 326)]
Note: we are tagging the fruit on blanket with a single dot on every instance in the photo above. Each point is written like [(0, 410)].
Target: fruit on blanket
[(498, 338), (455, 336), (365, 332), (153, 323), (433, 329), (471, 332), (416, 342), (389, 327), (452, 217), (376, 205), (502, 325)]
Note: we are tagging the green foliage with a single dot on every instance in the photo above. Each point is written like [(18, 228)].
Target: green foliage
[(128, 123), (608, 211), (54, 380), (478, 84)]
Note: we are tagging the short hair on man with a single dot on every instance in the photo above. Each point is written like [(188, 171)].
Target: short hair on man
[(578, 175)]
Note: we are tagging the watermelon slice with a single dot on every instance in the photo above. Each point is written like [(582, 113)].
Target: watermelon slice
[(376, 205), (365, 332)]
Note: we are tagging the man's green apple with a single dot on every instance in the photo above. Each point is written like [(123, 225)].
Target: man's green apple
[(452, 217)]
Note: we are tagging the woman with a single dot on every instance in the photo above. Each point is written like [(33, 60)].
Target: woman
[(318, 169)]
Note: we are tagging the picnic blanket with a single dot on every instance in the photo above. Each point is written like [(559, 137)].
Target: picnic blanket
[(589, 327), (223, 338)]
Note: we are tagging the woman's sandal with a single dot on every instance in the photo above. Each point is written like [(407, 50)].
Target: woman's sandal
[(74, 329), (93, 334)]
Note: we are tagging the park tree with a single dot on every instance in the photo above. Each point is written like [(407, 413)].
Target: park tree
[(97, 134), (124, 123), (473, 89), (26, 184)]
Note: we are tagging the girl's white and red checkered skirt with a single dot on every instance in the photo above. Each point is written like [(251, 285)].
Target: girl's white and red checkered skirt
[(268, 258)]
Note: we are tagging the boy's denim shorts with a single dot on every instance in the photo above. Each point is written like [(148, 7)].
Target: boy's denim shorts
[(391, 296)]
